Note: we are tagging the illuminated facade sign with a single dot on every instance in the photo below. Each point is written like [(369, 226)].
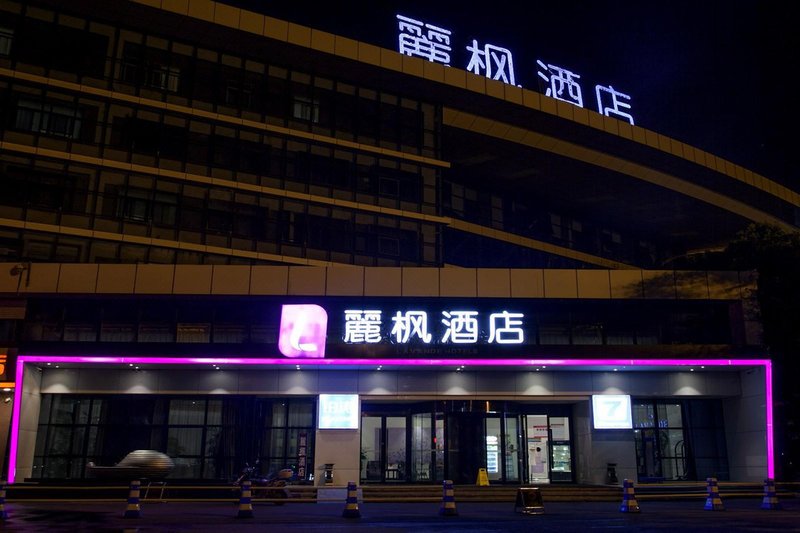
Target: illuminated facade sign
[(423, 40), (338, 411), (420, 39), (303, 331), (612, 411), (366, 326)]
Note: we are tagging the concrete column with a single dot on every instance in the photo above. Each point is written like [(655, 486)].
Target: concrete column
[(745, 428)]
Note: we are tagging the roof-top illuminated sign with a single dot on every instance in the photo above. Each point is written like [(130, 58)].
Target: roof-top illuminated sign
[(462, 326), (420, 39)]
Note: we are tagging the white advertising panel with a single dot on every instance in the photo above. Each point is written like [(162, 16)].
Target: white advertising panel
[(338, 411), (612, 411)]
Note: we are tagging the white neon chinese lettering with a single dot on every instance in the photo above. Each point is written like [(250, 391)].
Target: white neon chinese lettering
[(362, 326), (507, 331), (462, 326), (494, 61), (423, 40), (411, 323), (560, 79), (615, 106)]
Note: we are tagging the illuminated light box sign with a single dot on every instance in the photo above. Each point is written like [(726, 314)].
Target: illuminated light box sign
[(303, 331), (427, 41), (338, 411), (369, 326), (111, 362), (612, 411)]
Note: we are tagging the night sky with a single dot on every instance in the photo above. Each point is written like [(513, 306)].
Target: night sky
[(714, 74)]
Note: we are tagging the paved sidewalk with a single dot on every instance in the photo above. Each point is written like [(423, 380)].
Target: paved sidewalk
[(686, 516)]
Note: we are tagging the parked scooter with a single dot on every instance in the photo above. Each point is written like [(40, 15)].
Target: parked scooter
[(268, 487)]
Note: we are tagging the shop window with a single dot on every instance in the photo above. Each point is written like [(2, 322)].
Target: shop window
[(287, 436)]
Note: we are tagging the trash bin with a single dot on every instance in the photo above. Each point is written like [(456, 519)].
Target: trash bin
[(611, 474)]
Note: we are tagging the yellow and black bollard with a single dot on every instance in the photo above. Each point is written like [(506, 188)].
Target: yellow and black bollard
[(713, 502), (629, 503), (351, 503), (770, 500), (448, 507), (245, 501), (133, 510)]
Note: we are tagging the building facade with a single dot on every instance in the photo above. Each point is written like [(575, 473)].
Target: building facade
[(212, 222)]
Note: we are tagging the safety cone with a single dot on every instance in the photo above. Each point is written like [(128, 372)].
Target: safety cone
[(770, 500), (629, 503), (713, 502), (245, 503), (3, 513), (133, 510), (448, 507), (351, 503)]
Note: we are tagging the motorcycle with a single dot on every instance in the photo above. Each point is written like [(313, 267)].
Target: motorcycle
[(271, 487)]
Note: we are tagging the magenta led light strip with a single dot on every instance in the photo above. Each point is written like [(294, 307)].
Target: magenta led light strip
[(626, 364)]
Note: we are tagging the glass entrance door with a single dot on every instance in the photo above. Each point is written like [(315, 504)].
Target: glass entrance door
[(560, 449), (466, 446), (422, 447), (371, 448), (549, 449), (538, 442), (383, 449), (660, 444)]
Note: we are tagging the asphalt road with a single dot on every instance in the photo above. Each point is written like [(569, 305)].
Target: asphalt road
[(684, 516)]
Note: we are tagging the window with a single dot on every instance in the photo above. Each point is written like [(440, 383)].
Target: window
[(239, 94), (162, 77), (150, 68), (305, 109), (133, 205), (192, 332), (50, 119), (60, 47), (6, 38), (287, 436), (388, 246)]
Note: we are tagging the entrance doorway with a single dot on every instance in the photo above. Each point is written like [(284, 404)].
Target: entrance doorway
[(438, 440), (660, 441), (384, 449), (549, 449)]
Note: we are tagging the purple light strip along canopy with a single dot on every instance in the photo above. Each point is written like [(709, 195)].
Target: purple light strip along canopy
[(627, 364)]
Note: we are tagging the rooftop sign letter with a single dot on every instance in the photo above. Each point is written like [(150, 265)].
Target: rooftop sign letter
[(423, 40)]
